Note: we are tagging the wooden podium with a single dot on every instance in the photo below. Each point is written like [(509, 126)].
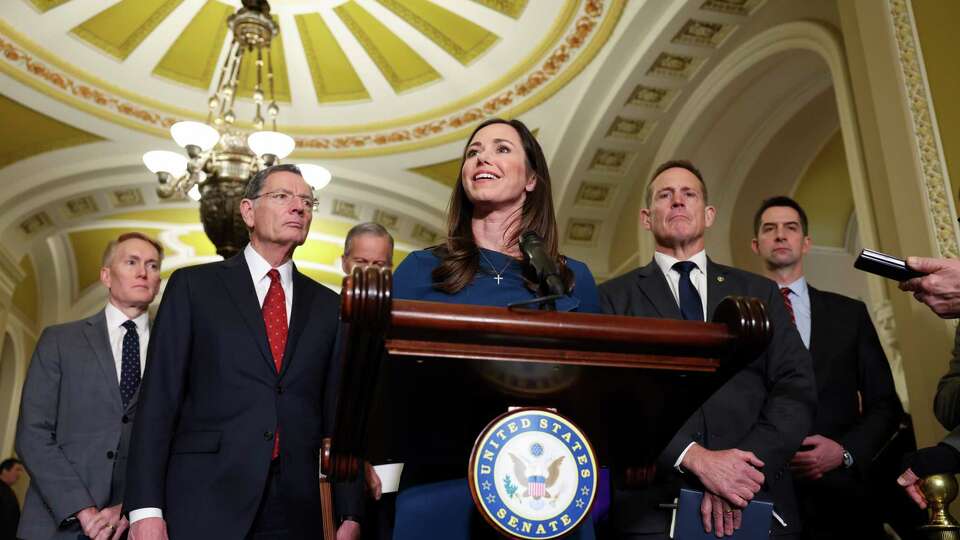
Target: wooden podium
[(629, 383)]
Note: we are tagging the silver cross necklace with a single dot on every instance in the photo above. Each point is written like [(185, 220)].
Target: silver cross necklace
[(499, 275)]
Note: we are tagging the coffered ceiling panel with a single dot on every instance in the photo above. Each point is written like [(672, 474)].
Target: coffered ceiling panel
[(26, 133), (510, 8), (333, 75), (398, 62), (444, 172), (456, 35), (192, 59), (44, 5), (119, 29)]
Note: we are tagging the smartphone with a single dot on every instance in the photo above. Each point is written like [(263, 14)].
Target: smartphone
[(885, 265)]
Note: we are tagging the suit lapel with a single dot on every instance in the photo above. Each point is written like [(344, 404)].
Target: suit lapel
[(95, 331), (239, 285), (299, 313), (718, 286), (818, 317), (653, 284)]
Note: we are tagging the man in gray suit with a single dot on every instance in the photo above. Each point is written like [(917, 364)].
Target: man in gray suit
[(79, 400)]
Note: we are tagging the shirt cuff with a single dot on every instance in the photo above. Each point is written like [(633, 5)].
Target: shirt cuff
[(144, 513), (676, 464)]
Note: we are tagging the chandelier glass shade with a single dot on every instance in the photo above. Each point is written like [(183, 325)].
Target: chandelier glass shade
[(221, 158)]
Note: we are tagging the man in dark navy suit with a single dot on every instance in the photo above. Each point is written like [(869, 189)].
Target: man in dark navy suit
[(737, 446), (858, 409), (233, 405)]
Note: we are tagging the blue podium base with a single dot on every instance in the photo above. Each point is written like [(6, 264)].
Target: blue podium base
[(446, 510)]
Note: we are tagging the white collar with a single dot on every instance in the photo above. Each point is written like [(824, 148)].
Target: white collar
[(116, 318), (798, 287), (666, 262), (259, 266)]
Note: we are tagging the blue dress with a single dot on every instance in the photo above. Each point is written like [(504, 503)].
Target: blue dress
[(445, 508), (413, 281)]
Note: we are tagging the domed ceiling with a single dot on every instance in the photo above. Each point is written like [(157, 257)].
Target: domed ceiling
[(356, 77), (381, 92)]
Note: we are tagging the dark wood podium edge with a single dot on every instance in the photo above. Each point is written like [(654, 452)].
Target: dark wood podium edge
[(470, 351)]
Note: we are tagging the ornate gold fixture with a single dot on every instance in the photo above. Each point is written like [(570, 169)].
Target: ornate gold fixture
[(221, 157), (940, 490)]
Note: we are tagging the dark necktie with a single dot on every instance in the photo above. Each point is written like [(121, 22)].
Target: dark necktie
[(691, 307), (785, 293), (275, 320), (129, 363)]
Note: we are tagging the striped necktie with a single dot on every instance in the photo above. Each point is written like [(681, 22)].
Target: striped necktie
[(785, 293)]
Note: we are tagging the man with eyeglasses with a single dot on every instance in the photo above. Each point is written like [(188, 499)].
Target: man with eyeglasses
[(241, 384)]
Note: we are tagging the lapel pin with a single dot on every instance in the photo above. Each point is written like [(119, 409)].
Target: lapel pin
[(720, 279)]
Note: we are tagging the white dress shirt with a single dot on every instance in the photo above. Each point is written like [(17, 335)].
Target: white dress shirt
[(116, 332), (259, 267), (698, 276)]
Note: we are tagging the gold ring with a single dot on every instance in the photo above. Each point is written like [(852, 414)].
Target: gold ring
[(728, 512)]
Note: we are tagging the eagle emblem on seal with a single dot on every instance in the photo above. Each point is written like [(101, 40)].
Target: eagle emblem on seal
[(534, 477)]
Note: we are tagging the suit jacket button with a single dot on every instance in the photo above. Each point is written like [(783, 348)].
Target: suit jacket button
[(268, 435), (125, 419), (279, 388), (110, 454)]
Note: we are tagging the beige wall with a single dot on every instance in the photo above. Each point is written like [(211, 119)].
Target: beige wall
[(936, 23), (825, 194)]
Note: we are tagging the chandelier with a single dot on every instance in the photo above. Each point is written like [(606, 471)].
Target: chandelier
[(220, 156)]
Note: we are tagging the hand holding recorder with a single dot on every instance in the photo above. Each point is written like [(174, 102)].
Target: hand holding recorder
[(934, 282)]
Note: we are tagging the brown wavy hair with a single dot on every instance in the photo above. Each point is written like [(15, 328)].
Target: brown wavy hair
[(459, 255)]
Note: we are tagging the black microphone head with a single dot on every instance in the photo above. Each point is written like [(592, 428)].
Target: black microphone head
[(529, 239)]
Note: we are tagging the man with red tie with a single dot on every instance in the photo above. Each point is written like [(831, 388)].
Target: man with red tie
[(858, 409), (233, 407)]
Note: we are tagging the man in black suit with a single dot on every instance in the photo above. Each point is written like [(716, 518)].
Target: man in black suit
[(737, 446), (233, 407), (10, 470), (858, 409)]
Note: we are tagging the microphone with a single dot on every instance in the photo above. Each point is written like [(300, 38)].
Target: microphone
[(535, 254)]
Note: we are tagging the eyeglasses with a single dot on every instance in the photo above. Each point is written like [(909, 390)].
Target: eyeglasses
[(285, 198)]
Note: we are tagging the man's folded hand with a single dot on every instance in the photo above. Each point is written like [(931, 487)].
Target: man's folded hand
[(732, 474)]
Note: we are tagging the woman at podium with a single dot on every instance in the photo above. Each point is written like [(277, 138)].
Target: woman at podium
[(503, 192)]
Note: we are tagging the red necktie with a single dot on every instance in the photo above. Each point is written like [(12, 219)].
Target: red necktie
[(275, 320), (785, 293)]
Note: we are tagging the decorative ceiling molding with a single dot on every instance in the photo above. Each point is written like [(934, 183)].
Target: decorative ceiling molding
[(580, 29), (929, 148)]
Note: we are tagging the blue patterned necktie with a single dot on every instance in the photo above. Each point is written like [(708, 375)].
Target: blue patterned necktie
[(129, 363), (691, 307)]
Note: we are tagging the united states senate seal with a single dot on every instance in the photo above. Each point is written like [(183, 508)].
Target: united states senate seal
[(533, 474)]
